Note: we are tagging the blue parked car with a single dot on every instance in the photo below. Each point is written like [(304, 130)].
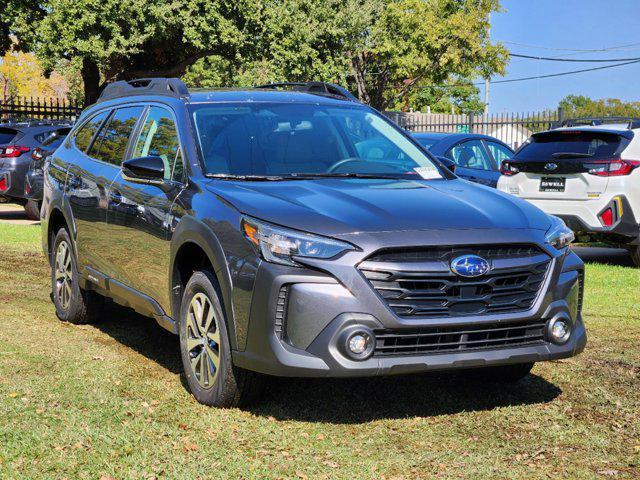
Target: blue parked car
[(477, 157)]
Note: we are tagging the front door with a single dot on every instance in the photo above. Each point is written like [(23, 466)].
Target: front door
[(139, 213)]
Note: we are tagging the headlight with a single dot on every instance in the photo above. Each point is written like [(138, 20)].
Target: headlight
[(559, 235), (279, 245)]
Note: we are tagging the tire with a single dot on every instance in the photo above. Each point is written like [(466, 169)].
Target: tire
[(201, 316), (32, 209), (506, 373), (73, 304), (635, 255)]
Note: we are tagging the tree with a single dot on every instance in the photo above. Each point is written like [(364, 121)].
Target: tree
[(582, 106), (418, 42), (124, 39)]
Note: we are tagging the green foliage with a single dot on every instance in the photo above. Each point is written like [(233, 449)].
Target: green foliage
[(380, 48), (582, 106)]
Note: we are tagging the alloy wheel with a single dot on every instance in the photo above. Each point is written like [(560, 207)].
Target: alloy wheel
[(203, 340), (64, 275)]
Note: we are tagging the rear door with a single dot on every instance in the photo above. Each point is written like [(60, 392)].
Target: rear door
[(89, 179), (556, 164)]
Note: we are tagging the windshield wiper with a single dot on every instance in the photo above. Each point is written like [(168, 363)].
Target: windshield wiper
[(247, 178), (571, 155), (305, 176)]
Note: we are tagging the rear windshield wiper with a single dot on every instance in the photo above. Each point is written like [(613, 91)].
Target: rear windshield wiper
[(571, 155)]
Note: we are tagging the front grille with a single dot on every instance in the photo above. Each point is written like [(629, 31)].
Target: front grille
[(461, 338), (419, 282)]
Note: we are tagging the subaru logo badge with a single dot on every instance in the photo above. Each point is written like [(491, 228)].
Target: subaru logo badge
[(550, 166), (470, 266)]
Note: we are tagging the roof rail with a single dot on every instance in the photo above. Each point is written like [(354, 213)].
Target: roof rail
[(320, 88), (29, 122), (171, 87), (632, 122)]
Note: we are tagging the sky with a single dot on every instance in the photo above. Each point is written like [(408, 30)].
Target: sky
[(561, 26)]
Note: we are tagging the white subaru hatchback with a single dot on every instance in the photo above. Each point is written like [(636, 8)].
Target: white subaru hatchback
[(586, 175)]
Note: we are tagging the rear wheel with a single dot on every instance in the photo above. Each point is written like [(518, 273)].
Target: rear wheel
[(506, 373), (205, 349), (32, 209), (635, 255), (72, 304)]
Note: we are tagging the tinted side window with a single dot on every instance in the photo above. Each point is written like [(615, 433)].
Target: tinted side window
[(112, 142), (499, 152), (54, 139), (159, 137), (7, 134), (84, 135), (470, 154)]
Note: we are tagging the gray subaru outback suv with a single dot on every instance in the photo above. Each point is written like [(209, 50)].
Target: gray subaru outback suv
[(290, 230)]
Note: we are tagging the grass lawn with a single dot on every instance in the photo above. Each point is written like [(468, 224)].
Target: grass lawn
[(109, 402)]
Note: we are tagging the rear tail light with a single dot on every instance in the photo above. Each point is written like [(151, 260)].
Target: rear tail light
[(4, 184), (507, 168), (612, 168), (13, 151)]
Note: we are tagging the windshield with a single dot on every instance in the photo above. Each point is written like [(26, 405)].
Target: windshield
[(289, 140)]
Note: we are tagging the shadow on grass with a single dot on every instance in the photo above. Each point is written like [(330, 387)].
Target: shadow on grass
[(343, 401), (604, 255)]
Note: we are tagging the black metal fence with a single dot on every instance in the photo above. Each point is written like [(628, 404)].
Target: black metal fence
[(511, 128), (23, 108)]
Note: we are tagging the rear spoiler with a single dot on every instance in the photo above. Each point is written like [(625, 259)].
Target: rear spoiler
[(628, 134)]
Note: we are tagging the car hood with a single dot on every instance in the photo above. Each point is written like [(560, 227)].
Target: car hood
[(345, 206)]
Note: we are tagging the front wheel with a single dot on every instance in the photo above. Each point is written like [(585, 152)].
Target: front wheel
[(205, 349)]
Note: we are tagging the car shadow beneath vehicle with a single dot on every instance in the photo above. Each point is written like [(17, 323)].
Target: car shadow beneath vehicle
[(341, 401), (141, 334), (607, 256), (358, 400)]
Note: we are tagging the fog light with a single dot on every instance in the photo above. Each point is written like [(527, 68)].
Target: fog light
[(359, 343), (559, 330)]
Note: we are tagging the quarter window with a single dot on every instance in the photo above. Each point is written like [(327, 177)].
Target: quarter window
[(159, 138), (84, 135), (110, 146), (499, 151), (470, 154)]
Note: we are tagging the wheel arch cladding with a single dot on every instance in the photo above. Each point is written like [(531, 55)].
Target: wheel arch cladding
[(193, 247)]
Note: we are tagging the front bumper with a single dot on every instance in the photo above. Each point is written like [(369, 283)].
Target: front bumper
[(328, 298)]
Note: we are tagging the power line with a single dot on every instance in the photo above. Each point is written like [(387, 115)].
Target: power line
[(606, 49), (522, 79), (581, 60)]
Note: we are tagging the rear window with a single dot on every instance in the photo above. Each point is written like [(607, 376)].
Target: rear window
[(592, 144), (52, 139), (6, 135)]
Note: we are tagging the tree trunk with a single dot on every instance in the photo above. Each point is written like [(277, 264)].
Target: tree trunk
[(91, 79)]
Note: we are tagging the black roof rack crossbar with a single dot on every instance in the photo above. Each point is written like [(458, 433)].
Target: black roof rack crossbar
[(631, 122), (171, 87), (321, 88)]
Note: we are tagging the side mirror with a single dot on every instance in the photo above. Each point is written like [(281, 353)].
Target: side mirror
[(447, 162), (144, 169)]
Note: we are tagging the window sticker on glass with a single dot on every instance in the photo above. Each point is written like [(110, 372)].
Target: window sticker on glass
[(428, 173)]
